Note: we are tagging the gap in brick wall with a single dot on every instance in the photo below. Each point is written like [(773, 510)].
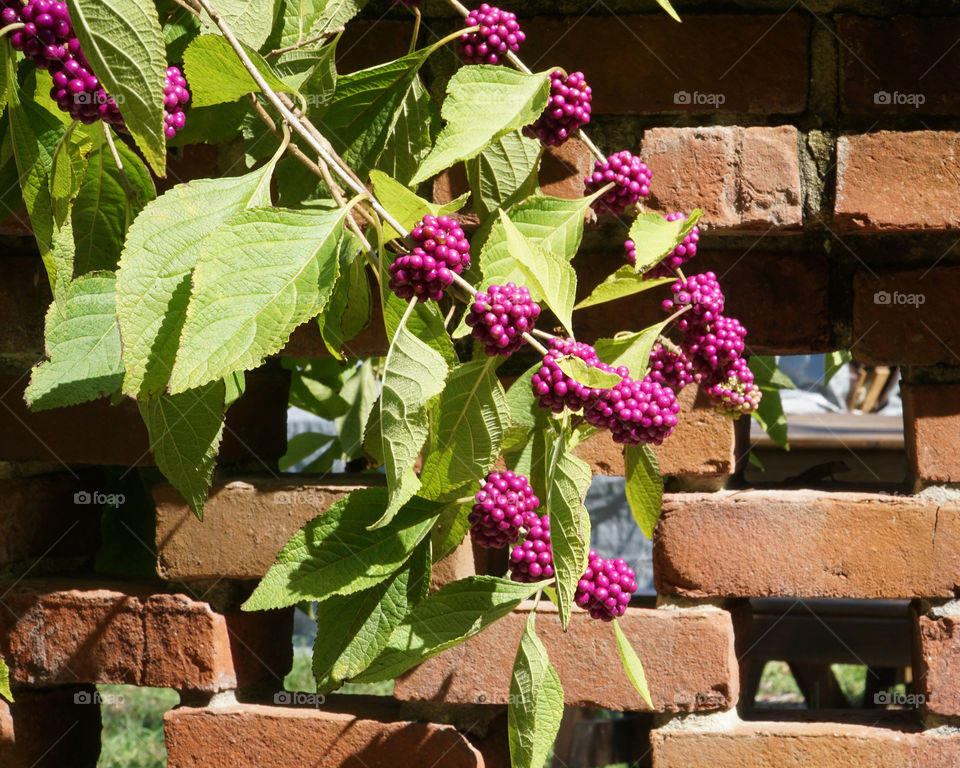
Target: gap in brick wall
[(132, 720)]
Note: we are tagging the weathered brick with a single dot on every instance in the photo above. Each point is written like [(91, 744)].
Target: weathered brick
[(937, 669), (459, 564), (101, 433), (898, 65), (755, 63), (897, 181), (254, 736), (51, 729), (703, 445), (806, 544), (58, 632), (742, 178), (695, 666), (906, 317), (825, 745), (931, 430)]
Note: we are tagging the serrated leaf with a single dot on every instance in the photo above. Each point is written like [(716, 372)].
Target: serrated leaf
[(217, 76), (354, 629), (5, 681), (623, 282), (417, 122), (259, 276), (153, 281), (413, 375), (123, 42), (349, 310), (504, 173), (185, 432), (454, 613), (83, 346), (632, 665), (313, 72), (102, 213), (654, 237), (644, 486), (67, 171), (588, 375), (833, 362), (360, 391), (536, 702), (467, 428), (450, 529), (631, 349), (249, 20), (406, 206), (548, 274), (336, 554), (507, 99), (568, 480), (333, 14)]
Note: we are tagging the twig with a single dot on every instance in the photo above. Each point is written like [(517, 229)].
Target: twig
[(132, 197), (543, 334), (11, 28), (294, 47)]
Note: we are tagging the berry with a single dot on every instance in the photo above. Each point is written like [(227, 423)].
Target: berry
[(731, 390), (533, 559), (555, 390), (504, 506), (605, 587), (567, 111), (715, 346), (441, 250), (500, 316), (499, 33), (630, 176), (677, 257), (175, 98), (702, 293), (635, 412), (671, 368)]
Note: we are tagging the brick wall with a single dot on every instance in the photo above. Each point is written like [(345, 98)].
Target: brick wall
[(821, 140)]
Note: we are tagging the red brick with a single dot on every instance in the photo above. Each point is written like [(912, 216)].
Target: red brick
[(931, 427), (757, 63), (51, 729), (253, 736), (886, 62), (367, 43), (824, 745), (57, 632), (742, 178), (906, 317), (101, 433), (897, 181), (806, 544), (938, 665), (703, 445), (688, 656), (38, 518)]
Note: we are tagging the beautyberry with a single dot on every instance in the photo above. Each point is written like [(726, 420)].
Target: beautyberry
[(499, 33), (635, 412), (731, 390), (500, 316), (671, 368), (532, 560), (631, 179), (442, 249), (504, 506), (702, 293), (555, 390), (605, 587), (677, 257), (567, 111)]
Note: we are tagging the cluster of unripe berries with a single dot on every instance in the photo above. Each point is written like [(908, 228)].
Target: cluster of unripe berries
[(47, 39), (504, 511), (442, 249)]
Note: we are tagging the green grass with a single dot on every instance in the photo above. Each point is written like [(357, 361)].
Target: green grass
[(779, 689), (301, 678), (133, 726)]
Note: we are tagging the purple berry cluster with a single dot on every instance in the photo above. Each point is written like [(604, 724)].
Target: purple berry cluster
[(567, 111), (500, 316), (716, 345), (635, 412), (675, 259), (671, 368), (554, 389), (631, 179), (731, 389), (606, 587), (503, 507), (702, 294), (532, 560), (47, 39), (499, 33), (442, 249)]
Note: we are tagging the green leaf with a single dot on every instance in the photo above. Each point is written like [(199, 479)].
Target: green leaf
[(259, 276), (360, 391), (448, 617), (123, 42), (548, 275), (5, 681), (654, 237), (504, 173), (102, 213), (413, 375), (405, 206), (833, 362), (336, 554), (67, 171), (588, 375), (506, 99), (644, 486), (536, 702), (623, 282), (185, 432), (249, 20), (767, 375), (665, 4), (349, 309), (161, 250), (303, 446), (771, 418), (83, 346), (631, 664), (411, 139), (313, 72), (179, 29), (426, 322), (568, 480), (217, 76), (354, 629), (450, 529), (631, 349), (467, 429), (333, 14)]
